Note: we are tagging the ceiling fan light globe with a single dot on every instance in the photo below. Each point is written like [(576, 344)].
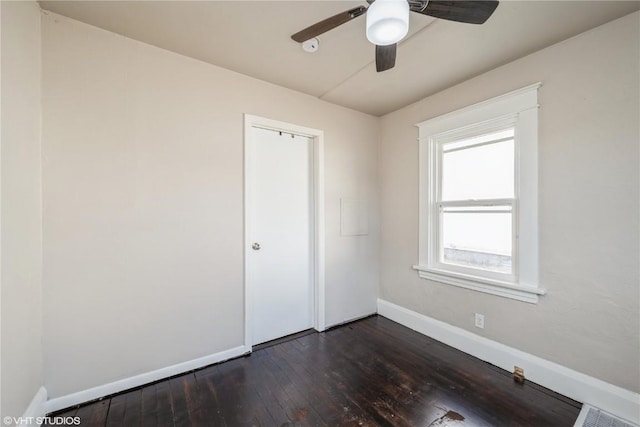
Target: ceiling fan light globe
[(386, 33), (387, 21)]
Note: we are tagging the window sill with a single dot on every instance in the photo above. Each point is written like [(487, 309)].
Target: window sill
[(494, 287)]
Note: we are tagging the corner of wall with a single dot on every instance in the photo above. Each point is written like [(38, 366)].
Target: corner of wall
[(21, 350)]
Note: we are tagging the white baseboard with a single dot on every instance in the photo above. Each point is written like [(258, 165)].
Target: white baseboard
[(622, 403), (138, 380), (349, 320), (36, 409)]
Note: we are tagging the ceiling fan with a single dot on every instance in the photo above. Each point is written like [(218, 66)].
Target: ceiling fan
[(388, 21)]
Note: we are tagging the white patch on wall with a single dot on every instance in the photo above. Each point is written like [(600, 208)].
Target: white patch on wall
[(354, 218)]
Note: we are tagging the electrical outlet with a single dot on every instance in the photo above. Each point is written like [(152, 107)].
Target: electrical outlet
[(480, 321)]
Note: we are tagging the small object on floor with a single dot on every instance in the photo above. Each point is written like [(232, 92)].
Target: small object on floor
[(518, 375)]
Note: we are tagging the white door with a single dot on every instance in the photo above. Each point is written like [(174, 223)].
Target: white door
[(280, 260)]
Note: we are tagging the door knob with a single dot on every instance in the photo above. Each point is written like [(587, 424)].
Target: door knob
[(256, 246)]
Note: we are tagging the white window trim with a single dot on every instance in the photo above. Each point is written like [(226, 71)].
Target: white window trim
[(519, 107)]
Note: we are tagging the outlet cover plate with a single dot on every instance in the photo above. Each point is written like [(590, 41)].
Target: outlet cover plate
[(479, 321)]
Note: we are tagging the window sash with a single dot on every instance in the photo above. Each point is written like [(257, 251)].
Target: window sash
[(436, 252), (436, 258), (440, 143)]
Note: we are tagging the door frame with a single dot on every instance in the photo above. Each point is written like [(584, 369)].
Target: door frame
[(317, 191)]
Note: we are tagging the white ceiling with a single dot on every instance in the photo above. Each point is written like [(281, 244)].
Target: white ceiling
[(253, 38)]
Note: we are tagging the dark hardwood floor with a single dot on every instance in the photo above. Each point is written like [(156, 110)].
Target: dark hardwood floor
[(372, 372)]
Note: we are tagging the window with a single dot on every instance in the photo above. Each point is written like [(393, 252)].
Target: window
[(474, 205), (478, 197)]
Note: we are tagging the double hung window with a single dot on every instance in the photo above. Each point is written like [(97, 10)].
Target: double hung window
[(478, 197)]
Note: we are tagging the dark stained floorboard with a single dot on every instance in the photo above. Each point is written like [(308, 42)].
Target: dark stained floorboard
[(372, 372), (179, 387), (164, 404), (149, 406), (209, 398), (133, 408), (99, 413), (379, 401), (115, 415), (324, 398)]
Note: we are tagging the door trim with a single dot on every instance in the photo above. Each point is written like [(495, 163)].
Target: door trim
[(317, 136)]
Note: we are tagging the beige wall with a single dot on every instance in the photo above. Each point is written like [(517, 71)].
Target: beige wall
[(143, 204), (588, 207), (21, 218), (142, 193)]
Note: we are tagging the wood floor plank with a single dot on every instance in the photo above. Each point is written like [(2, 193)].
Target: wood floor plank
[(164, 411), (84, 413), (177, 387), (54, 418), (149, 406), (236, 406), (373, 372), (133, 408), (195, 412), (291, 397), (115, 416), (357, 382), (208, 394), (99, 413), (334, 404), (310, 385), (268, 410), (317, 393)]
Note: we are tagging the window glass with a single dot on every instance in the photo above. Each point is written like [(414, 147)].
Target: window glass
[(479, 168), (478, 237)]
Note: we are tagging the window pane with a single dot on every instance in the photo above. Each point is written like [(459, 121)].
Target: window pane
[(476, 168), (478, 238)]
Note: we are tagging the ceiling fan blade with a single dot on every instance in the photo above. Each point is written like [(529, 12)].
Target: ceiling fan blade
[(385, 57), (328, 24), (469, 11)]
